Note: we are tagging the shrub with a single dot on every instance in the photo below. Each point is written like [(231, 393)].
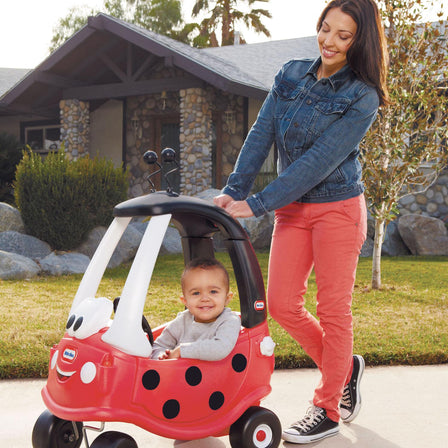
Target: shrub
[(10, 155), (61, 200)]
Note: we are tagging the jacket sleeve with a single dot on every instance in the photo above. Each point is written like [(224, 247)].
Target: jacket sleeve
[(255, 149)]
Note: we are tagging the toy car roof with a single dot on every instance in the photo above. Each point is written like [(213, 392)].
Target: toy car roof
[(197, 221)]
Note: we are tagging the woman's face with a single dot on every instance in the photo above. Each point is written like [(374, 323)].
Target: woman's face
[(335, 37)]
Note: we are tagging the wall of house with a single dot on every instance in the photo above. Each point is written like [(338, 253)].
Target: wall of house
[(254, 108), (106, 132), (269, 169), (232, 133), (11, 125)]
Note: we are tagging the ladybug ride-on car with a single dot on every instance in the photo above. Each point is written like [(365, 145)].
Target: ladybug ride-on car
[(101, 370)]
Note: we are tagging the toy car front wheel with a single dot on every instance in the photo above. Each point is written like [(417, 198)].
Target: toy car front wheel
[(114, 439), (53, 432), (256, 428)]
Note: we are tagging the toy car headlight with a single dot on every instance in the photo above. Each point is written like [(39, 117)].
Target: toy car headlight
[(90, 316), (267, 346)]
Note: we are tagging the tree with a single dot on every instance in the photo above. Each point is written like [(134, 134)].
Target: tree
[(161, 16), (406, 147), (223, 14)]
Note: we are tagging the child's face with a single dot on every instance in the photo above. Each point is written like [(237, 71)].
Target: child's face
[(205, 293)]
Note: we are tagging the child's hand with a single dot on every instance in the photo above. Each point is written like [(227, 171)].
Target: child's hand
[(170, 354), (165, 355)]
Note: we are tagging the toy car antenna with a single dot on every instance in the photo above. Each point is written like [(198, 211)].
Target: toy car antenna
[(168, 156), (150, 158)]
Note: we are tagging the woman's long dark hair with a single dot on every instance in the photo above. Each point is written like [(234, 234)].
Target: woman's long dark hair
[(367, 55)]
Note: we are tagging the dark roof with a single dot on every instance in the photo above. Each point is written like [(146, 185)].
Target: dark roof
[(263, 60), (11, 76), (112, 58)]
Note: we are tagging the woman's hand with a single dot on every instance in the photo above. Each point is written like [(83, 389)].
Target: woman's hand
[(239, 209), (222, 200)]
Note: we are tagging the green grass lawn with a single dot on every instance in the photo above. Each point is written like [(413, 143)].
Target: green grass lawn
[(404, 323)]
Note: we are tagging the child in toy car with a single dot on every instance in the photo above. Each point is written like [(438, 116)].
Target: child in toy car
[(101, 370), (207, 329)]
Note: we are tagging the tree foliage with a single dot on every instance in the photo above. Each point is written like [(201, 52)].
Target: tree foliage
[(161, 16), (406, 146), (165, 17), (224, 15)]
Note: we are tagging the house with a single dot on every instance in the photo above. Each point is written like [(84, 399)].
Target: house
[(115, 90)]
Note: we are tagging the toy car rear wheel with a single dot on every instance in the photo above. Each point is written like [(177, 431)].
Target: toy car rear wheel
[(114, 439), (53, 432), (256, 428)]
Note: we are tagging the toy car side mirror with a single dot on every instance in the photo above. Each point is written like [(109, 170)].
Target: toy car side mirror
[(150, 157), (168, 155)]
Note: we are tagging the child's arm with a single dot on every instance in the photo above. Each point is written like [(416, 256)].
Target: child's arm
[(166, 342)]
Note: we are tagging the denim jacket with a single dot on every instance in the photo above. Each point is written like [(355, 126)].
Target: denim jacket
[(317, 126)]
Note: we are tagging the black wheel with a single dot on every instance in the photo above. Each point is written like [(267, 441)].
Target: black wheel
[(256, 428), (52, 432), (114, 439)]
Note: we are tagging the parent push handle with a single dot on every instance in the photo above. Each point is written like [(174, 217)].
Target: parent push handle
[(126, 333), (95, 270)]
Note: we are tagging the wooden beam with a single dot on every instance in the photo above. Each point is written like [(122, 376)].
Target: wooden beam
[(94, 56), (120, 90), (147, 63), (56, 80), (129, 61), (113, 67), (25, 109)]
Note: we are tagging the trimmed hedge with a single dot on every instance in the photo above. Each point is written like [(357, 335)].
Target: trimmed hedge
[(61, 201)]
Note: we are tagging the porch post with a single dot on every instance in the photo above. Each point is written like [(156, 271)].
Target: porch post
[(75, 127), (195, 141)]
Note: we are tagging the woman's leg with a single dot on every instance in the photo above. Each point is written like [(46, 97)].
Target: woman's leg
[(330, 235), (339, 230), (290, 264)]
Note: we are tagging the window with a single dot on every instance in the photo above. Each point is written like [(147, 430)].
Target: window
[(42, 137)]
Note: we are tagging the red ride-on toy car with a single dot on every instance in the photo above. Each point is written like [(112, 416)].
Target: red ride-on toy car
[(101, 370)]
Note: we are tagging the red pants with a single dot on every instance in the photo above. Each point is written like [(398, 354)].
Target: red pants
[(328, 237)]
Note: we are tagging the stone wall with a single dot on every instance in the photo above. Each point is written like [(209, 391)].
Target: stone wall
[(75, 127), (431, 202), (201, 112), (195, 141)]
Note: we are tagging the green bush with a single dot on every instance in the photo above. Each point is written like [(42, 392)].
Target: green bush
[(61, 200), (10, 155)]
